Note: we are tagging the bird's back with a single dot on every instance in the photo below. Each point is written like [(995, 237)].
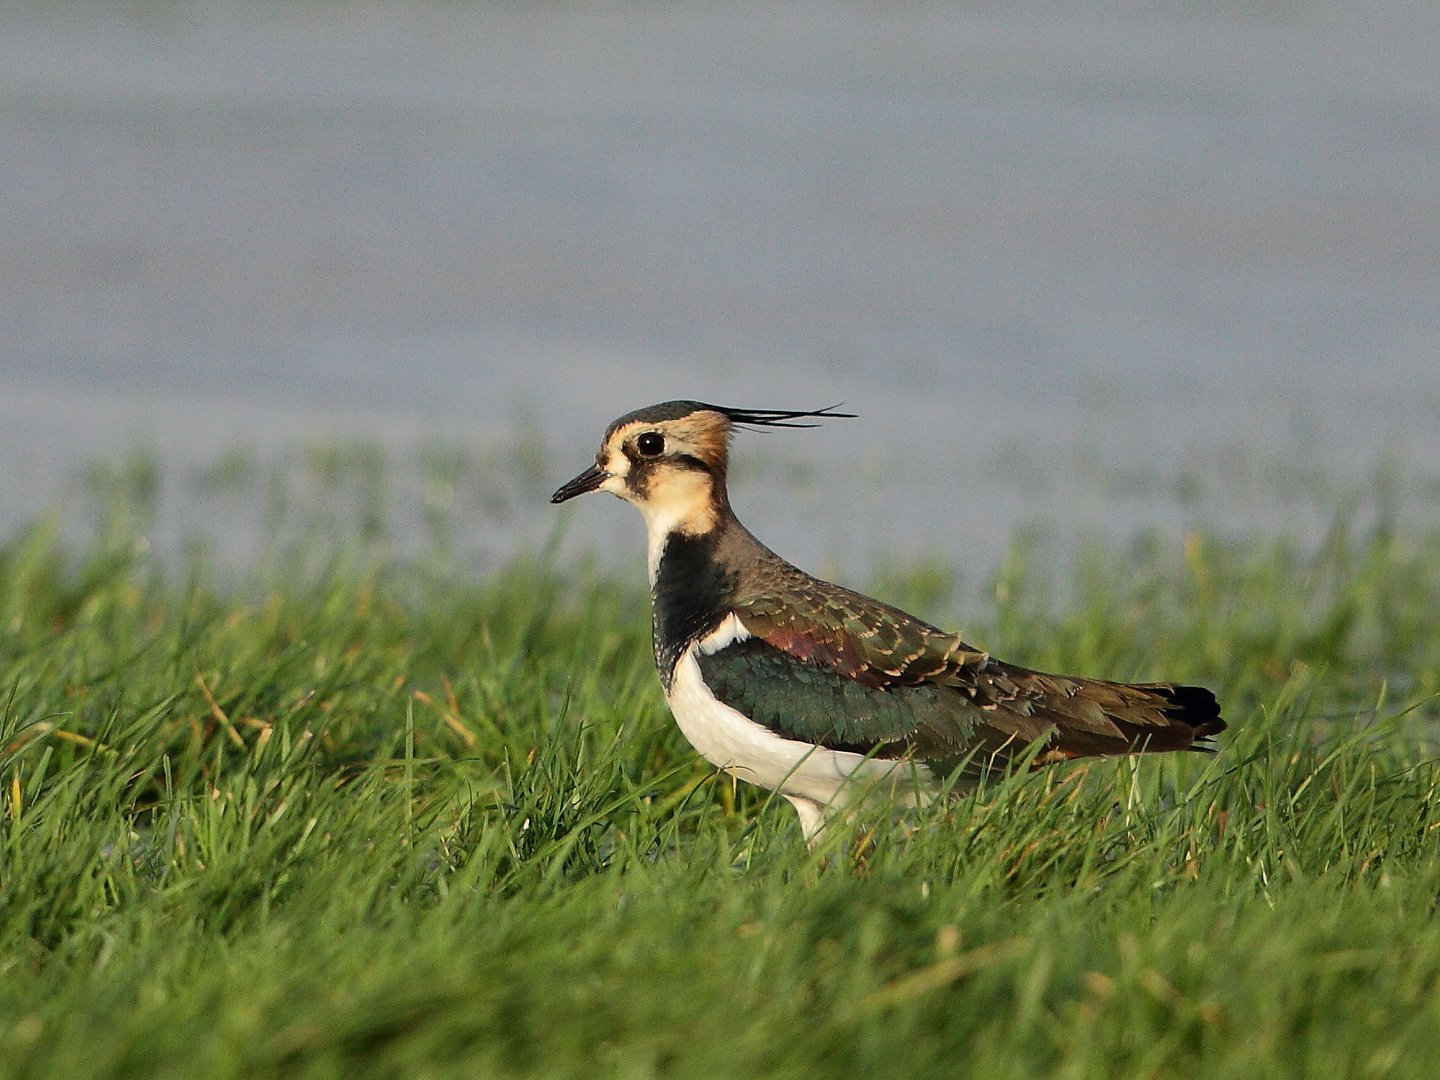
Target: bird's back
[(845, 670)]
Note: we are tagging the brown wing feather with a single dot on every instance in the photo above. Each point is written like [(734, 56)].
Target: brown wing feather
[(871, 642), (1089, 717), (878, 645)]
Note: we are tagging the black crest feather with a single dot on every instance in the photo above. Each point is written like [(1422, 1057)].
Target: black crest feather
[(779, 417), (753, 418)]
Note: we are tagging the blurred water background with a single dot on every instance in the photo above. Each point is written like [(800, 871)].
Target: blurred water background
[(1088, 269)]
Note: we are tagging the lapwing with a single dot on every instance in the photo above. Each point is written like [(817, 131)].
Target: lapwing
[(821, 693)]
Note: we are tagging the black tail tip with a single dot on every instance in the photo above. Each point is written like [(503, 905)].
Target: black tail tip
[(1196, 707)]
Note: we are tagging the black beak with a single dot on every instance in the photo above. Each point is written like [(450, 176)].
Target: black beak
[(587, 481)]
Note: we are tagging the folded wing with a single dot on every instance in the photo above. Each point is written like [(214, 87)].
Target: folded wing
[(830, 666)]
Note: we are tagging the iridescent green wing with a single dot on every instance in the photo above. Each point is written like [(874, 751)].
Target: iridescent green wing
[(942, 695), (873, 643), (815, 703), (831, 666)]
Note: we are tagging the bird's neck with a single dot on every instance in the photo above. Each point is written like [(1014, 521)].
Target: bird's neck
[(686, 504), (696, 581), (691, 590)]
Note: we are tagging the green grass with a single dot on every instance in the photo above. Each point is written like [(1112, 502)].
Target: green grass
[(380, 820)]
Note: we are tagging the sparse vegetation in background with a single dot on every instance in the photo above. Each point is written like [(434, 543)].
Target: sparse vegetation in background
[(350, 816)]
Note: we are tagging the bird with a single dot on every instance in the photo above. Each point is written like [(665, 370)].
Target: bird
[(821, 693)]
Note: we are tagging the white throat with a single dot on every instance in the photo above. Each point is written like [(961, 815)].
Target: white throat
[(657, 535)]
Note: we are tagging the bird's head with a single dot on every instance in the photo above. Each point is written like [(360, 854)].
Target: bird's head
[(670, 460)]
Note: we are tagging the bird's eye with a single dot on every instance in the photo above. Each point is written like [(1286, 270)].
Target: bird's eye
[(651, 443)]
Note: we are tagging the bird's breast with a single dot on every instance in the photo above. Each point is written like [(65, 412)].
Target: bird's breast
[(730, 740), (689, 597)]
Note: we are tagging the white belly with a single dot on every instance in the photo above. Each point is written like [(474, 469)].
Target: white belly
[(731, 741)]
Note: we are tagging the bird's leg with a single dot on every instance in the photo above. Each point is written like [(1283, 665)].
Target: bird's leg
[(812, 818)]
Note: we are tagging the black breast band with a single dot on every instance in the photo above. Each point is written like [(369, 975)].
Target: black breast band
[(690, 598)]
